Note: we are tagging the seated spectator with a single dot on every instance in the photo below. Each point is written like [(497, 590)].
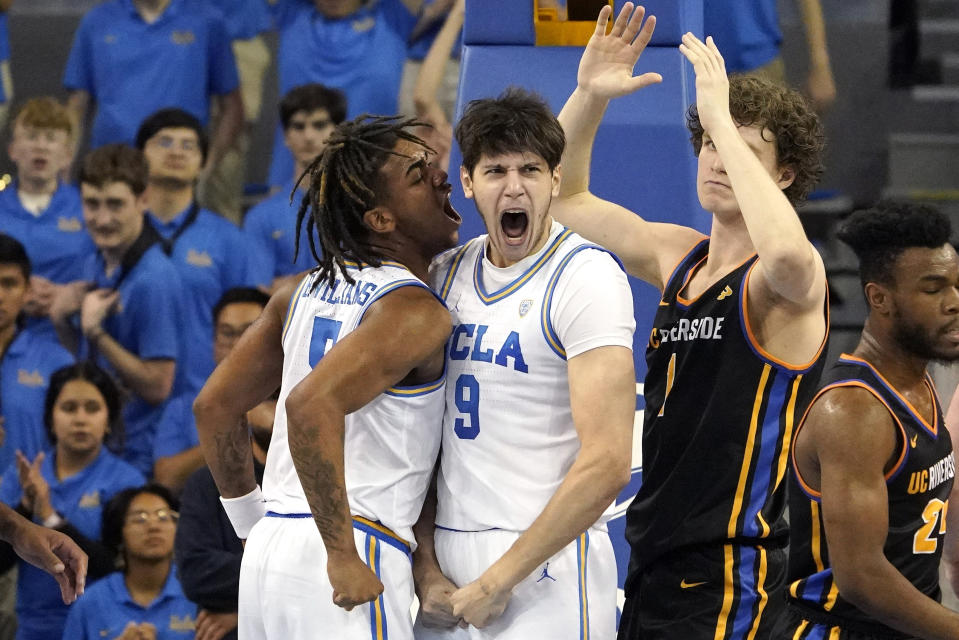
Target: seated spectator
[(209, 252), (246, 22), (37, 208), (129, 323), (132, 57), (176, 450), (143, 601), (307, 115), (66, 488), (28, 356), (353, 45)]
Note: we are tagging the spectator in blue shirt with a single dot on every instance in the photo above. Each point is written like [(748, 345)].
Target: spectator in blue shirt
[(38, 209), (358, 46), (129, 322), (27, 359), (176, 450), (65, 488), (6, 78), (210, 253), (133, 57), (144, 600), (307, 115)]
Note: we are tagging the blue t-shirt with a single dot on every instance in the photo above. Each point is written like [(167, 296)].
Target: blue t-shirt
[(211, 256), (24, 377), (107, 607), (80, 500), (177, 429), (270, 228), (746, 31), (245, 19), (145, 324), (362, 54), (132, 69), (56, 241)]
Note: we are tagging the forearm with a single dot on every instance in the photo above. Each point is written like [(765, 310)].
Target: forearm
[(229, 126), (225, 443), (424, 558), (173, 471), (66, 333), (431, 72), (147, 379), (898, 603), (316, 445), (580, 119), (588, 489)]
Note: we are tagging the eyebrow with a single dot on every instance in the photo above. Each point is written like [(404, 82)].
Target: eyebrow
[(419, 164)]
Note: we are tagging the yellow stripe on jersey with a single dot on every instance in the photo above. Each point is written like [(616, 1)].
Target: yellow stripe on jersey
[(763, 598), (293, 302), (378, 602), (800, 629), (815, 544), (834, 633), (519, 282), (833, 594), (379, 527), (422, 390), (787, 437), (583, 602), (383, 263), (728, 588), (445, 290)]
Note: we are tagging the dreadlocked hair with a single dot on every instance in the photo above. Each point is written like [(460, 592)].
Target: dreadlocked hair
[(342, 187)]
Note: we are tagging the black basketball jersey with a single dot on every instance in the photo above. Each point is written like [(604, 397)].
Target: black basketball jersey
[(718, 421), (918, 487)]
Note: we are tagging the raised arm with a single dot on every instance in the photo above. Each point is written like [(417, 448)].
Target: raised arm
[(851, 438), (649, 250), (404, 330), (790, 267), (820, 83)]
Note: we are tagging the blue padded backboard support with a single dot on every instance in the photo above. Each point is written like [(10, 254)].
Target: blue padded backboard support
[(489, 22)]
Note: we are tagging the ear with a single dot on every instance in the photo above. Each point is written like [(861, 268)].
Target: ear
[(467, 182), (556, 178), (787, 175), (379, 220), (879, 298)]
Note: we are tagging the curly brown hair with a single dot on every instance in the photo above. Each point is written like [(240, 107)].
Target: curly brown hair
[(797, 130)]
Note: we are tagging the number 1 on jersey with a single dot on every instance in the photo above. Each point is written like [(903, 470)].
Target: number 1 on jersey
[(466, 396), (325, 333)]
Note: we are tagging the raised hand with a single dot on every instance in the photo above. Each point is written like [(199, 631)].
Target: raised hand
[(606, 68), (353, 582), (712, 83)]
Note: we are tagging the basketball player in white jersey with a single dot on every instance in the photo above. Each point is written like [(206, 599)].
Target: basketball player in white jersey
[(358, 345), (540, 397)]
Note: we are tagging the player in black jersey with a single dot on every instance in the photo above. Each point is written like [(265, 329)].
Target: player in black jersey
[(872, 461), (736, 346)]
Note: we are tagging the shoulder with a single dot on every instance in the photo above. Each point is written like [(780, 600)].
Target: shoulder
[(411, 307), (849, 412), (444, 262)]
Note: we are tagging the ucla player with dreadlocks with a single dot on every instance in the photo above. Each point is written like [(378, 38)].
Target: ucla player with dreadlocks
[(357, 349)]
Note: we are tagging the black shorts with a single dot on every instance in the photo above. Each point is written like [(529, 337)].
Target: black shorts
[(798, 623), (728, 592)]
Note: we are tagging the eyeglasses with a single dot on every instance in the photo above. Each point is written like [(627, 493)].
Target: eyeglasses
[(163, 516), (168, 142)]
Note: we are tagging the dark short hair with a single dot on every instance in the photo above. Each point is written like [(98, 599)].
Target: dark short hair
[(879, 235), (13, 252), (797, 129), (103, 381), (311, 97), (517, 121), (239, 295), (115, 513), (115, 163), (172, 118)]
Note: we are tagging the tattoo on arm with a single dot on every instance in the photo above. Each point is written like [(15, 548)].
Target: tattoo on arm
[(234, 461)]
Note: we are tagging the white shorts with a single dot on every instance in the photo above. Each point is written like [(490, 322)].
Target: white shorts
[(285, 593), (571, 596)]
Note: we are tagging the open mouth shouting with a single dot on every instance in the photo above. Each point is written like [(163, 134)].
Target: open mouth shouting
[(514, 223)]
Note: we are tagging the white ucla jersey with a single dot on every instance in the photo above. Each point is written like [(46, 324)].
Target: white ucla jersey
[(391, 444), (508, 432)]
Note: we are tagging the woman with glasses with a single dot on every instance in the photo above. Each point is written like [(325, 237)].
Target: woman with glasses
[(66, 487), (142, 601)]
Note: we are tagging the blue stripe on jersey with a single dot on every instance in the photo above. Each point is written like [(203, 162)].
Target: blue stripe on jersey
[(747, 591), (768, 452), (816, 585), (293, 302), (818, 632), (378, 629), (513, 287), (448, 281), (582, 556), (546, 325)]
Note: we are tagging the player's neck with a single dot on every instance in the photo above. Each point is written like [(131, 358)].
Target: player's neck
[(729, 246), (37, 186), (902, 368), (166, 201), (407, 254), (145, 579), (150, 10)]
